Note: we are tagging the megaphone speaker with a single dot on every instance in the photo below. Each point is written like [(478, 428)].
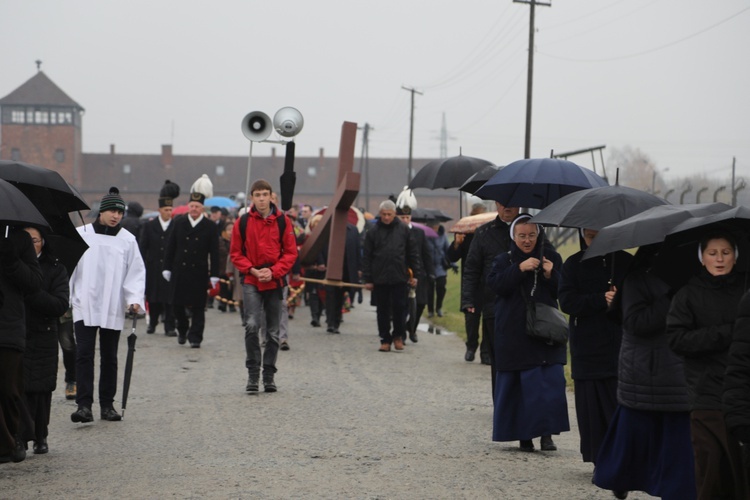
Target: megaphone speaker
[(288, 122), (256, 126)]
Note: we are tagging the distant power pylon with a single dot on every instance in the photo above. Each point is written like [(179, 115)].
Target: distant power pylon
[(444, 138)]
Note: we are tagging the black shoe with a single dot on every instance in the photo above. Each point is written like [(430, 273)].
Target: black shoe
[(284, 346), (110, 414), (82, 415), (222, 308), (413, 337), (171, 333), (150, 329), (526, 445), (195, 345), (485, 359), (252, 384), (181, 339), (547, 444), (268, 384), (469, 356), (335, 329), (329, 329), (19, 452), (40, 447), (315, 323), (232, 309), (620, 494), (440, 313)]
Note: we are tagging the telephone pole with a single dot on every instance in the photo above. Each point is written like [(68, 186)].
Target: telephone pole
[(411, 129), (530, 77)]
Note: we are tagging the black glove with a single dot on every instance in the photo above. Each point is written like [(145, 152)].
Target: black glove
[(8, 250)]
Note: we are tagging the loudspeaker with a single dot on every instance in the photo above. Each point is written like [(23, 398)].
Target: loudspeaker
[(256, 126), (288, 122)]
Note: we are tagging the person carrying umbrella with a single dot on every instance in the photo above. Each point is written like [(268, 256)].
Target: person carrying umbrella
[(109, 279)]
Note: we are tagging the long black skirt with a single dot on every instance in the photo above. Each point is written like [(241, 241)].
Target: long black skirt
[(596, 401)]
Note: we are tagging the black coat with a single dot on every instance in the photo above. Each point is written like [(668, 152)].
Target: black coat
[(43, 311), (651, 376), (153, 245), (594, 338), (189, 250), (736, 397), (389, 251), (427, 270), (514, 349), (699, 325), (20, 274), (489, 241)]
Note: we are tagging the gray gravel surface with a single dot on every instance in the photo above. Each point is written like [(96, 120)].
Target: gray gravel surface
[(347, 422)]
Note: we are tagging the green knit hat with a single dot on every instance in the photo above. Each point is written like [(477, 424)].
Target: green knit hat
[(112, 201)]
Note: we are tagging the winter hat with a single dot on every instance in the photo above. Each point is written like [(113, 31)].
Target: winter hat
[(135, 209), (201, 189), (169, 191), (112, 201)]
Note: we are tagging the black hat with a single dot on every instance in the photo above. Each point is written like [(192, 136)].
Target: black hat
[(199, 197), (112, 201), (169, 191), (405, 210)]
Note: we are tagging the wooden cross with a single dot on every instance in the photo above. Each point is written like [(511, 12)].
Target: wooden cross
[(332, 227)]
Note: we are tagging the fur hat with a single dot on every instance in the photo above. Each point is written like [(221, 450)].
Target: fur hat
[(169, 191), (406, 202), (202, 189), (112, 201)]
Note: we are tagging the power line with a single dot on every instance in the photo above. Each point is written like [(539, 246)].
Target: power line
[(655, 49)]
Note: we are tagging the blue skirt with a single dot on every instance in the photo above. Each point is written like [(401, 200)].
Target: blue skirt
[(647, 451), (530, 403)]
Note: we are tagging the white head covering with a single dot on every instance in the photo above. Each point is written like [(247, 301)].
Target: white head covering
[(520, 218)]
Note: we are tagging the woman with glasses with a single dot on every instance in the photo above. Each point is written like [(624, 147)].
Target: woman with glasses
[(530, 398)]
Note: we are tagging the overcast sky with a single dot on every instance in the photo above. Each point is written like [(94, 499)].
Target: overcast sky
[(670, 77)]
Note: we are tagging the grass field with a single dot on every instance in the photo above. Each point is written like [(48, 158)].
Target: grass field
[(453, 318)]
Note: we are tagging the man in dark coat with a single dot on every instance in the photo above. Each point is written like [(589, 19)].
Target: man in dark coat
[(389, 251), (153, 245), (20, 274), (335, 294), (426, 273), (43, 309), (489, 241), (193, 242), (132, 219)]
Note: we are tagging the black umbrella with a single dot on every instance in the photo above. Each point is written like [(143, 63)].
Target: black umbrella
[(17, 209), (537, 182), (447, 173), (129, 363), (46, 188), (429, 214), (597, 207), (288, 178), (650, 226), (678, 259), (477, 180)]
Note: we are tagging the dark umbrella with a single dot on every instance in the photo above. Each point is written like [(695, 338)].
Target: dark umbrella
[(17, 209), (597, 207), (447, 173), (677, 260), (429, 214), (46, 188), (129, 363), (537, 182), (288, 179), (477, 180), (650, 226), (68, 248)]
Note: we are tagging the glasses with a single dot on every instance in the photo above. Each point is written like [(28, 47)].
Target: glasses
[(527, 237), (36, 241)]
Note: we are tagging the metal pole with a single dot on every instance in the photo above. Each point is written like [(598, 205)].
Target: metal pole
[(247, 182), (734, 193), (411, 130), (529, 82)]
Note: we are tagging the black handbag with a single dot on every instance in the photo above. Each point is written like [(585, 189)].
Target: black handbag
[(545, 323)]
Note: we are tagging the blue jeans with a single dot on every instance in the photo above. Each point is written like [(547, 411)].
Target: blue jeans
[(257, 304)]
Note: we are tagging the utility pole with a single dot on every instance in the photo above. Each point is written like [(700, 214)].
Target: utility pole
[(364, 161), (443, 139), (734, 194), (411, 129), (530, 77)]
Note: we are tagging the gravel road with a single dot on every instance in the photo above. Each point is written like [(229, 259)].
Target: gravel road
[(347, 422)]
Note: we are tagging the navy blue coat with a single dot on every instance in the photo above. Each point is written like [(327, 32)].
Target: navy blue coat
[(594, 338), (514, 349)]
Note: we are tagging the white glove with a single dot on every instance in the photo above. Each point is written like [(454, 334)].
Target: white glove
[(213, 280), (167, 275)]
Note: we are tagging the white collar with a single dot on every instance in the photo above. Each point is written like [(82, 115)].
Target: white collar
[(194, 222), (164, 224)]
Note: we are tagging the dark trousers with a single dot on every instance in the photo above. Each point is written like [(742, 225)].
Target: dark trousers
[(488, 332), (334, 304), (315, 302), (390, 301), (155, 310), (85, 347), (436, 293), (67, 340), (39, 405), (192, 327), (11, 382)]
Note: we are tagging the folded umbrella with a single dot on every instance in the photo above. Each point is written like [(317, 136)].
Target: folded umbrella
[(129, 363)]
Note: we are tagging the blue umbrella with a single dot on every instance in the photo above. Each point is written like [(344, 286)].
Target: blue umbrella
[(220, 201), (537, 182)]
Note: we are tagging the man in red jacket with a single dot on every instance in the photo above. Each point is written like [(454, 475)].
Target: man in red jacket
[(264, 250)]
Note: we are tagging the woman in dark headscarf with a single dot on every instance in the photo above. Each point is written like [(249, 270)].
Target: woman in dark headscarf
[(530, 396), (700, 326)]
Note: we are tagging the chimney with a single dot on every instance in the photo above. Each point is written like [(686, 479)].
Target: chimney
[(112, 149), (321, 157), (166, 155)]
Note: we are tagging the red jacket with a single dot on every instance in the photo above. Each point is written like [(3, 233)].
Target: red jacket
[(263, 248)]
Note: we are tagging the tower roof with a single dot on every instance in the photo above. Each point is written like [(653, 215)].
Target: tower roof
[(39, 90)]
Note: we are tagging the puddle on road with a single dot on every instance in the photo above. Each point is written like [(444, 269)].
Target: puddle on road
[(435, 330)]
